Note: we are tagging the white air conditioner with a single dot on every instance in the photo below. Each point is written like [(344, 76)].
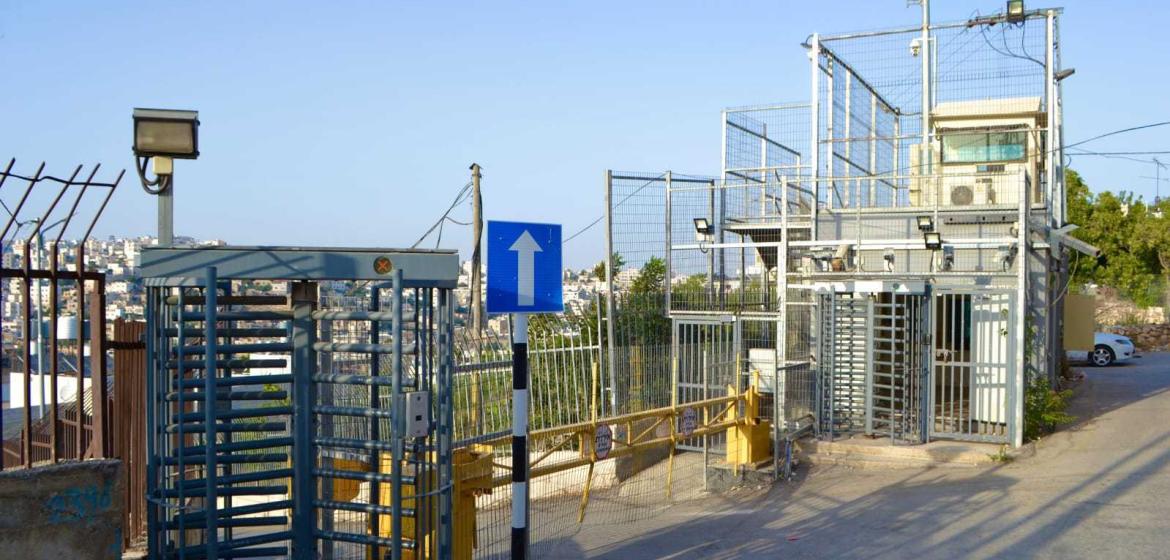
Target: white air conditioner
[(981, 185)]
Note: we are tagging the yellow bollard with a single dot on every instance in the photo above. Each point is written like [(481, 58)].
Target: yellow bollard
[(472, 471), (748, 441)]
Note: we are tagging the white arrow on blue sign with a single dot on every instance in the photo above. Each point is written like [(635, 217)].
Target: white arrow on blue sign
[(524, 268)]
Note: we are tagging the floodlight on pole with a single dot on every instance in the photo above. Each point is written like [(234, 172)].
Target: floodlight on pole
[(1015, 10), (933, 240), (162, 135)]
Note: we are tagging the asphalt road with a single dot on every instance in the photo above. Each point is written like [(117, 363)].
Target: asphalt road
[(1100, 488)]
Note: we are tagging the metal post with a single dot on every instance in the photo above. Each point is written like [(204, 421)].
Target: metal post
[(375, 393), (446, 419), (520, 436), (873, 134), (210, 475), (97, 359), (304, 299), (851, 194), (710, 251), (166, 214), (706, 395), (397, 418), (669, 242), (609, 293), (927, 160), (814, 55), (153, 534), (869, 369)]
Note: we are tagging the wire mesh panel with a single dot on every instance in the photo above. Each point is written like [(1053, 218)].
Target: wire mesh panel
[(987, 108), (970, 393)]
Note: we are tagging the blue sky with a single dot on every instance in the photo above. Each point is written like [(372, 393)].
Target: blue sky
[(344, 123)]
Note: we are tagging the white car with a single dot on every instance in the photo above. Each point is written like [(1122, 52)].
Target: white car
[(1107, 349)]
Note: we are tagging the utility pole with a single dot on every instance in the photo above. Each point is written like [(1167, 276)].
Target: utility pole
[(477, 234), (1158, 180)]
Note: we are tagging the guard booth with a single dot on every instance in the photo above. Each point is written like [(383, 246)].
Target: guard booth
[(299, 402)]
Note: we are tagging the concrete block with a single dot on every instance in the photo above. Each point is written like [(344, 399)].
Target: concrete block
[(722, 476), (71, 510)]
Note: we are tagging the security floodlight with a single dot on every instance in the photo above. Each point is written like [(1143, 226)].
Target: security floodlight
[(1015, 10), (925, 223), (1061, 75), (933, 240), (703, 226), (162, 135), (167, 133)]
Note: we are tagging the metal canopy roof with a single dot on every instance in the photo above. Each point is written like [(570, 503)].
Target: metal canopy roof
[(186, 266)]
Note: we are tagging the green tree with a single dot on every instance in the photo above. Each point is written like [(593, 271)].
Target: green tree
[(1118, 225), (616, 261)]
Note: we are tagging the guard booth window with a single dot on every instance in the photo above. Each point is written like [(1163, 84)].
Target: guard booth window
[(983, 146)]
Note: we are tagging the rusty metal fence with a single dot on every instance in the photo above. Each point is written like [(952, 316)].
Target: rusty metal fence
[(73, 387)]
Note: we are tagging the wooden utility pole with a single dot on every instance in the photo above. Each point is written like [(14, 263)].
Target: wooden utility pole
[(477, 234)]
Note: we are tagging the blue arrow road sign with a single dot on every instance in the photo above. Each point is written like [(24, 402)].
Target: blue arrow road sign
[(524, 268)]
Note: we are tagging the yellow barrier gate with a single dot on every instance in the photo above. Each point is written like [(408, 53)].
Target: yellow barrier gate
[(476, 474)]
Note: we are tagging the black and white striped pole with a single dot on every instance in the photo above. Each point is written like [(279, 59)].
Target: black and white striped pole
[(519, 436)]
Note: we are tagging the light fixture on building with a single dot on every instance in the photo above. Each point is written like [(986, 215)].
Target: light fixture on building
[(703, 229), (888, 258), (1015, 10), (933, 240), (925, 223)]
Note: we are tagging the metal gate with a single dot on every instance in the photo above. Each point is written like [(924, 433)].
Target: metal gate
[(282, 429), (899, 368), (705, 352), (843, 349), (971, 395)]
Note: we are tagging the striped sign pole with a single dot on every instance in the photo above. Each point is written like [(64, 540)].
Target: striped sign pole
[(519, 436)]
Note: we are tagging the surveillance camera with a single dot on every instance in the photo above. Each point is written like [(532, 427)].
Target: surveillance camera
[(915, 46)]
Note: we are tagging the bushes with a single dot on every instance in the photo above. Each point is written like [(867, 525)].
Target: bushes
[(1044, 408)]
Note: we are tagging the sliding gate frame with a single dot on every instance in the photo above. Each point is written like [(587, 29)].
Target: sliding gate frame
[(972, 389), (300, 449), (705, 360)]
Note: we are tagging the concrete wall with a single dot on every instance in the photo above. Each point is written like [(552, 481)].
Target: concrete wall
[(71, 510)]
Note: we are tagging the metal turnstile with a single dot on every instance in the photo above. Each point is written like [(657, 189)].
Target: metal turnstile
[(291, 425)]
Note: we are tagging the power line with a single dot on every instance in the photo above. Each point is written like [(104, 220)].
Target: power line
[(1106, 154), (622, 201), (460, 197), (1116, 132)]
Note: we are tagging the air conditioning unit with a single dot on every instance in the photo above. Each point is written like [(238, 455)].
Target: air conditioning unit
[(980, 186)]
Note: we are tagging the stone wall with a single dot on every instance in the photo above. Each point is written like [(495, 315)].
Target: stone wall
[(1147, 338), (1113, 309), (66, 511)]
